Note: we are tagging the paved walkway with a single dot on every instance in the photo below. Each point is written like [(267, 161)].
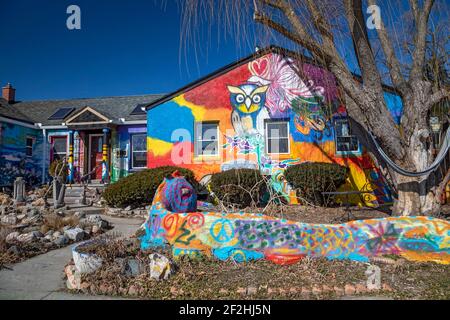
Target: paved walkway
[(41, 277)]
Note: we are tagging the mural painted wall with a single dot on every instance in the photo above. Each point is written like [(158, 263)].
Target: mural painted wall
[(21, 150), (122, 150), (245, 103), (248, 236)]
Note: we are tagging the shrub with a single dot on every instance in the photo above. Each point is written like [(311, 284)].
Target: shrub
[(55, 169), (310, 179), (239, 187), (138, 189)]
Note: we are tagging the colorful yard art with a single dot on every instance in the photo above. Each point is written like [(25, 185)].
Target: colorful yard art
[(241, 102), (247, 236)]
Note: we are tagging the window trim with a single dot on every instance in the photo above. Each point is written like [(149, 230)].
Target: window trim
[(266, 135), (33, 141), (196, 151), (52, 138), (132, 167), (344, 153)]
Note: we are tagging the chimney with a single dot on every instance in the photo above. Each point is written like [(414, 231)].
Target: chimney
[(9, 93)]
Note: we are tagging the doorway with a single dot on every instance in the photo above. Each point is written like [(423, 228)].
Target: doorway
[(95, 155)]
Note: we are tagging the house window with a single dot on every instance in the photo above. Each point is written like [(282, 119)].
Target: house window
[(277, 136), (59, 147), (207, 138), (345, 141), (29, 146), (138, 151)]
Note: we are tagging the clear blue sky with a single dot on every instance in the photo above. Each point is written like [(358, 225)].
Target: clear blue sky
[(123, 48)]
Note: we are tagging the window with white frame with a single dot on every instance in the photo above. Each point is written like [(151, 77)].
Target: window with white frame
[(138, 151), (29, 146), (59, 147), (206, 138), (277, 136), (345, 140)]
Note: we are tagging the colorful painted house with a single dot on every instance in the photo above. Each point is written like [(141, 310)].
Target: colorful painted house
[(267, 111), (103, 139)]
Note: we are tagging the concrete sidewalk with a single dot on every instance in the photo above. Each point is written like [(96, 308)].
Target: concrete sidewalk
[(41, 277)]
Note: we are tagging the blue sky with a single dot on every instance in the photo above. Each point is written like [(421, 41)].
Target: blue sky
[(123, 48)]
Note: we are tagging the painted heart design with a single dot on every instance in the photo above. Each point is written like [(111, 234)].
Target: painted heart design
[(259, 67)]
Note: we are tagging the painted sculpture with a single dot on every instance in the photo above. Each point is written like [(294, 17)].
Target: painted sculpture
[(248, 236)]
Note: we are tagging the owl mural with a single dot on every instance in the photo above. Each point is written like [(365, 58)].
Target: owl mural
[(247, 101)]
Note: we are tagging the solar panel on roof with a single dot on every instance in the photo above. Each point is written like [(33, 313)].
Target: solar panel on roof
[(61, 113), (138, 109)]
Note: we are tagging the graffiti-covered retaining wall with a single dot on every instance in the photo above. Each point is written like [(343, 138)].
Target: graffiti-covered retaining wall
[(241, 102), (247, 236)]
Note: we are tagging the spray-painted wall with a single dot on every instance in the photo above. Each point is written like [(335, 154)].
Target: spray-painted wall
[(122, 150), (15, 160), (305, 95)]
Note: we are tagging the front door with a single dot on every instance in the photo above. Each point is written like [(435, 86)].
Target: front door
[(95, 156)]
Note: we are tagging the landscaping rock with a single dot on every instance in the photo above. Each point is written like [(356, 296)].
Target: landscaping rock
[(73, 278), (26, 237), (160, 267), (14, 250), (56, 234), (133, 268), (95, 229), (93, 219), (9, 219), (103, 224), (39, 202), (75, 234), (33, 212), (37, 234), (79, 215), (21, 216), (10, 238), (61, 240)]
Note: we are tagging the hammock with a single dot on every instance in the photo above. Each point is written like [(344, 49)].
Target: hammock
[(441, 155)]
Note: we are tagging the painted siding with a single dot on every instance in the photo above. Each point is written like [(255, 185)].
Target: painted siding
[(121, 150), (14, 161), (310, 103)]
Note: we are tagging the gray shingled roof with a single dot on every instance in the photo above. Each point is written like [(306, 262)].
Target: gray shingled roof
[(8, 111), (111, 107)]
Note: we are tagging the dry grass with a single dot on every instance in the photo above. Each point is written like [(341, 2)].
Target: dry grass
[(208, 278)]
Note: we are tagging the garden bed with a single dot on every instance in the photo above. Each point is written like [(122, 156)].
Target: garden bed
[(205, 278)]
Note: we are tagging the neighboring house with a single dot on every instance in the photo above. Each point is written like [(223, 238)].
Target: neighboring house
[(267, 111), (103, 138), (20, 143)]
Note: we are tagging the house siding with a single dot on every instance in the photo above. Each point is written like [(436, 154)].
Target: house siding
[(14, 161), (303, 94)]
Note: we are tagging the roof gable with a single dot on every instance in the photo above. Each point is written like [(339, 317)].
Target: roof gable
[(87, 116)]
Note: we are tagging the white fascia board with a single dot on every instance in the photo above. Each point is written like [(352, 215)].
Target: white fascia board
[(19, 123)]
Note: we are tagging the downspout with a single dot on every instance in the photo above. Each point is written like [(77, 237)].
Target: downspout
[(44, 158)]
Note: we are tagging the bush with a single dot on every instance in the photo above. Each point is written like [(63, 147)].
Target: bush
[(310, 179), (55, 169), (239, 187), (138, 189)]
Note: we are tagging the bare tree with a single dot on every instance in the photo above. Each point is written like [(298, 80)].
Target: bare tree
[(327, 30)]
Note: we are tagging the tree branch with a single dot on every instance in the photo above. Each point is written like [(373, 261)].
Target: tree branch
[(389, 53), (420, 42), (361, 44), (415, 9), (438, 96)]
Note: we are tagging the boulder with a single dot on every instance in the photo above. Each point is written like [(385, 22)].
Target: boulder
[(103, 224), (14, 250), (133, 268), (160, 266), (9, 219), (75, 234), (10, 238), (38, 202), (73, 278), (61, 240), (26, 237)]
